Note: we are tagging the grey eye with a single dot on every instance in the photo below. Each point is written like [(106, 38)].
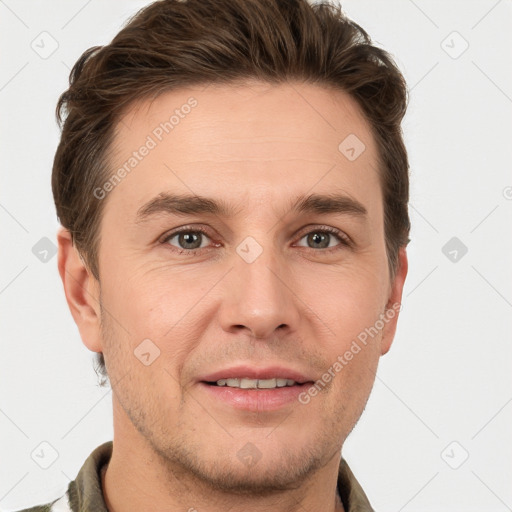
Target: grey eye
[(188, 240)]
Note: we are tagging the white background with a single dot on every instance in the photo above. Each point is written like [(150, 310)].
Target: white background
[(447, 376)]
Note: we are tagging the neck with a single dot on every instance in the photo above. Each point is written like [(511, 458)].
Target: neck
[(133, 479)]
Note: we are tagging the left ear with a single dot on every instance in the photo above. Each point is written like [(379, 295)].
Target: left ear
[(394, 303), (82, 291)]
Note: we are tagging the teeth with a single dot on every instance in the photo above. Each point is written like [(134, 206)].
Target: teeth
[(267, 383), (246, 383)]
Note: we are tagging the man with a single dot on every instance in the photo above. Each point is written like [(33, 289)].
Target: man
[(232, 185)]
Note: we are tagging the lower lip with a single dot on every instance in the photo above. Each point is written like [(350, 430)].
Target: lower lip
[(257, 399)]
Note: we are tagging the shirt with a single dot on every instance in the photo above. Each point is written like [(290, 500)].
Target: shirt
[(84, 494)]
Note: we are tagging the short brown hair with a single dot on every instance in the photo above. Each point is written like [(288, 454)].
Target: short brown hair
[(175, 43)]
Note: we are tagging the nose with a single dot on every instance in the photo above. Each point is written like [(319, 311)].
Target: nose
[(259, 298)]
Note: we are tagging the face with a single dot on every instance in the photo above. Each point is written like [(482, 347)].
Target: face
[(280, 271)]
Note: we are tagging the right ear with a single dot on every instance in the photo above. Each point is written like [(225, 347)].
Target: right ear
[(82, 291)]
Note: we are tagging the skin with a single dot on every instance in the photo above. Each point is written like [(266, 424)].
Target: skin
[(257, 147)]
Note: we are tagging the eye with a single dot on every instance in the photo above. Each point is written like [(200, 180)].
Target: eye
[(323, 238), (187, 240), (192, 241)]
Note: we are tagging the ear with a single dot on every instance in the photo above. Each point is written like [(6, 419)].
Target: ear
[(394, 303), (82, 291)]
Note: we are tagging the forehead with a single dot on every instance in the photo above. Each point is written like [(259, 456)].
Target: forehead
[(252, 140)]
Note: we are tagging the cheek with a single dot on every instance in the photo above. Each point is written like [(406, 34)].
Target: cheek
[(348, 301), (350, 305), (352, 375), (156, 321), (151, 304)]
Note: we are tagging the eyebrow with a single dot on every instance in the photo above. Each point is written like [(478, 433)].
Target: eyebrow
[(173, 204)]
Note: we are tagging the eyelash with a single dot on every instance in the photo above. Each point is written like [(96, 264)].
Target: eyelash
[(342, 238)]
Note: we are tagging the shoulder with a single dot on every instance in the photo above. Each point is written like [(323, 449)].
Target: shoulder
[(57, 505), (38, 508), (87, 483)]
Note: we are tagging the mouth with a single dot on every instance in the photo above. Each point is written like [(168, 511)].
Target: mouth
[(254, 388), (255, 395), (248, 383)]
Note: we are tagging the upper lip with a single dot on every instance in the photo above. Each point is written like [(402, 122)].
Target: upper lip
[(253, 372)]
